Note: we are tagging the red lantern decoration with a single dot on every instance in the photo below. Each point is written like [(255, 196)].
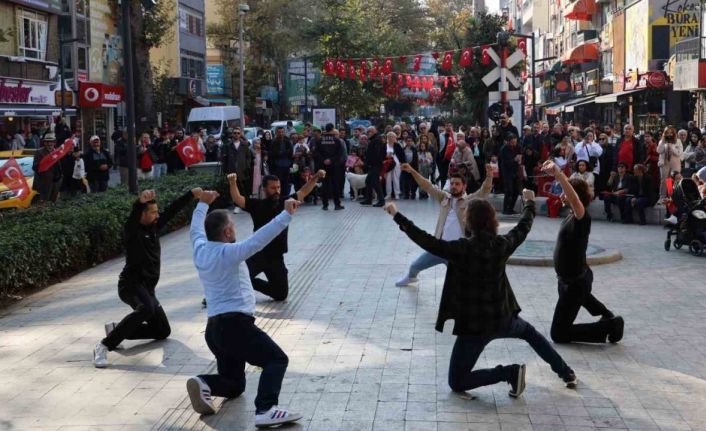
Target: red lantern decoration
[(447, 63), (363, 70), (351, 70), (375, 70), (417, 84), (387, 66), (466, 58), (400, 80), (329, 67), (417, 62), (485, 59)]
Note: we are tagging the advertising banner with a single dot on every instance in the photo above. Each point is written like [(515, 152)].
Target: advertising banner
[(215, 79)]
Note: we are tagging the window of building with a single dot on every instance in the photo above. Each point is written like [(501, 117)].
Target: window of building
[(192, 68), (190, 22), (82, 58), (32, 34)]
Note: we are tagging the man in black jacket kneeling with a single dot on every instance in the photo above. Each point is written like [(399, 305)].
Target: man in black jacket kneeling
[(478, 296)]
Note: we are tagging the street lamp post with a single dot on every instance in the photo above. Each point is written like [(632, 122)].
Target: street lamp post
[(129, 97), (63, 42), (242, 9), (306, 86)]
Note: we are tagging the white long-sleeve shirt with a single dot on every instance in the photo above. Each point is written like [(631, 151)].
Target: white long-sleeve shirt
[(221, 266), (584, 151)]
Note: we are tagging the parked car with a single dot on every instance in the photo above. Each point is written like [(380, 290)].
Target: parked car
[(8, 199)]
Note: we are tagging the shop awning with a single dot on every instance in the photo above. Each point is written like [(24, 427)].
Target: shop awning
[(579, 102), (581, 10), (585, 53), (33, 111), (555, 108), (612, 98)]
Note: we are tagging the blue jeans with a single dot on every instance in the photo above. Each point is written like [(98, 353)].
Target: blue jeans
[(468, 348), (425, 261), (159, 169)]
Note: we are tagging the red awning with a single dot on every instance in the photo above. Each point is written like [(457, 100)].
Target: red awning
[(581, 10), (585, 53)]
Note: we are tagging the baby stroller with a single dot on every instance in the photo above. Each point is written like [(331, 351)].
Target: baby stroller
[(690, 228)]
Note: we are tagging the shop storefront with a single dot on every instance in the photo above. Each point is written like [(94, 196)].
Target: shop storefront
[(27, 107), (99, 110)]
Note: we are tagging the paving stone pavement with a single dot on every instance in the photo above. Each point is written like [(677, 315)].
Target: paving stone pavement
[(363, 353)]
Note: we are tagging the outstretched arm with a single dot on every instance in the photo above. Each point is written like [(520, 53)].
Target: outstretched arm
[(518, 234), (234, 192), (177, 206), (571, 197), (424, 183), (486, 187), (449, 250), (309, 186)]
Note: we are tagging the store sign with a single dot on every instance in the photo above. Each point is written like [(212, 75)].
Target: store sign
[(215, 79), (97, 95), (577, 83), (15, 91), (562, 85), (646, 80)]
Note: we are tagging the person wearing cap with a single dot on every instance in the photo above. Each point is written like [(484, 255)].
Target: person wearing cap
[(98, 163), (47, 183), (506, 128)]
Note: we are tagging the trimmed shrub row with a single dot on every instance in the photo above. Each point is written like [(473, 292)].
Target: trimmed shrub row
[(45, 244)]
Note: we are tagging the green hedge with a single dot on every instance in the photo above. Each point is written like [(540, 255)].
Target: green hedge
[(45, 244)]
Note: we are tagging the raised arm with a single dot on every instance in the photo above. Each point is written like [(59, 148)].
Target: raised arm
[(177, 206), (571, 197), (309, 186), (450, 250), (241, 251), (517, 235), (424, 183), (486, 187), (238, 199), (133, 220)]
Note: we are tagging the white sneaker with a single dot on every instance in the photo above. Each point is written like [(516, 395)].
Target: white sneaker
[(406, 281), (671, 219), (275, 416), (200, 396), (110, 327), (236, 210), (100, 355)]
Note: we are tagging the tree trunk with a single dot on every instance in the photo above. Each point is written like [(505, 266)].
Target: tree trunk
[(145, 112)]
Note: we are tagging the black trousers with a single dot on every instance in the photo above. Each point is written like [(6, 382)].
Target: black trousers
[(443, 167), (277, 284), (234, 339), (373, 184), (331, 189), (408, 185), (573, 295), (511, 188), (147, 321), (98, 186)]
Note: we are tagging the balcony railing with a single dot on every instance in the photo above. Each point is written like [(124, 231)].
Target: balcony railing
[(26, 70), (690, 49)]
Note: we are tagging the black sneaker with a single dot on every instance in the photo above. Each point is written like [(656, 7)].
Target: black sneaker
[(325, 207), (616, 334), (379, 204), (339, 207), (609, 315), (517, 380), (570, 380), (366, 203)]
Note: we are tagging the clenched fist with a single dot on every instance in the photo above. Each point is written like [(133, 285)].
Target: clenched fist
[(291, 205), (390, 208)]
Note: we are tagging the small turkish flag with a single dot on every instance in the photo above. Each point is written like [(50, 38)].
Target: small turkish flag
[(13, 178), (56, 155), (189, 151)]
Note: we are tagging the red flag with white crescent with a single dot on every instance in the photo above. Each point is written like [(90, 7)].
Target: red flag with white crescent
[(189, 151), (56, 155), (13, 178)]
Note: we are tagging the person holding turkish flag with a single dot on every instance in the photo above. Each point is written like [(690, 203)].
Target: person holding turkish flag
[(47, 172), (189, 151), (12, 177)]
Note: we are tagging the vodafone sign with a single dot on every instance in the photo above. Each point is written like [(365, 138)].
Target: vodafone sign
[(97, 95)]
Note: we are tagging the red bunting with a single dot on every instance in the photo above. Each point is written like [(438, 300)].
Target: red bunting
[(435, 55), (351, 70), (387, 66), (402, 59), (466, 58), (447, 63), (375, 70), (485, 59), (417, 62)]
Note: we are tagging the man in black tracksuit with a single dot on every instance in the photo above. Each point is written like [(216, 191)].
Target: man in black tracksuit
[(327, 155), (137, 282), (374, 157)]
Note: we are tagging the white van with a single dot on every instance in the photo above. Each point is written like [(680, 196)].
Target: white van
[(215, 119)]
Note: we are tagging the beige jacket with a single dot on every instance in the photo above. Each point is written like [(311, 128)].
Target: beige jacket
[(673, 152), (445, 199)]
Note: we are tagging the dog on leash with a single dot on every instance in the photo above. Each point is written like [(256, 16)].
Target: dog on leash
[(356, 182)]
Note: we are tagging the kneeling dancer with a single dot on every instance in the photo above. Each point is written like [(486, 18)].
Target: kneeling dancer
[(231, 333), (575, 277), (478, 296), (139, 278)]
